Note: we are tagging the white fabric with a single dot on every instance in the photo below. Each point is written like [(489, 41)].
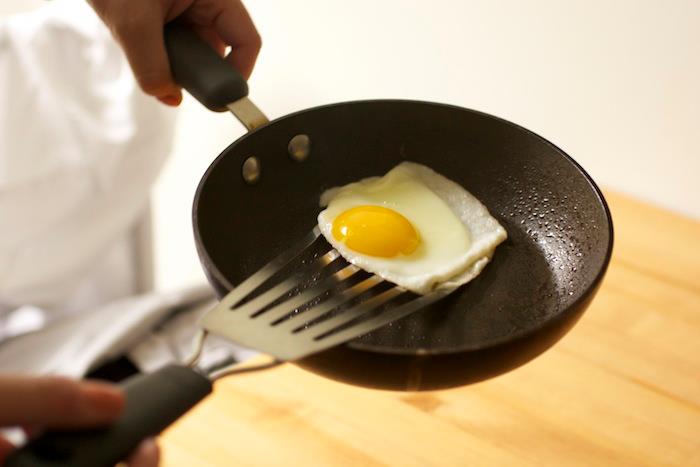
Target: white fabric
[(151, 329), (73, 345), (80, 146)]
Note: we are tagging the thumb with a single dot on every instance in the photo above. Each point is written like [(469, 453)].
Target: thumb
[(57, 402)]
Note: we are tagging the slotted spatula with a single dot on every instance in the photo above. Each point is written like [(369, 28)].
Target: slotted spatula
[(304, 301), (323, 302)]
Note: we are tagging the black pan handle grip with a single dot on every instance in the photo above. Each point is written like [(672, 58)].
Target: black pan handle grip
[(198, 68), (153, 401)]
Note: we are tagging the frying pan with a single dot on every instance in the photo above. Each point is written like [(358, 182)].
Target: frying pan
[(263, 191), (536, 287)]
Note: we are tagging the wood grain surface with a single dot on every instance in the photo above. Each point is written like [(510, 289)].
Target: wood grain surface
[(622, 388)]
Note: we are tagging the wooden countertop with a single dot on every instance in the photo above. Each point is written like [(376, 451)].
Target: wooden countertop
[(622, 388)]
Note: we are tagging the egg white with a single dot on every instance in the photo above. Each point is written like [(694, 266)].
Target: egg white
[(458, 235)]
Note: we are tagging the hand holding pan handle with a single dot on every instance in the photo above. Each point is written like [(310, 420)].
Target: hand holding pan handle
[(198, 68), (153, 401)]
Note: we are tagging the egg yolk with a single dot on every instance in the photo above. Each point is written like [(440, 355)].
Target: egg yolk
[(375, 231)]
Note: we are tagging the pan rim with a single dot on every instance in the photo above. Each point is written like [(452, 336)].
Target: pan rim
[(214, 271)]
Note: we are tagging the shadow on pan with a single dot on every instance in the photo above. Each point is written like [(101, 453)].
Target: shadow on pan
[(536, 287)]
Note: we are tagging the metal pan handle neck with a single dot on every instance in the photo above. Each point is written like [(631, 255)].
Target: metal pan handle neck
[(247, 113)]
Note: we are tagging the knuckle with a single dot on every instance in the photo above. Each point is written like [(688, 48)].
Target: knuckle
[(256, 41), (126, 22)]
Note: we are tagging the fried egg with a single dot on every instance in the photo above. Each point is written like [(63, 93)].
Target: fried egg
[(413, 227)]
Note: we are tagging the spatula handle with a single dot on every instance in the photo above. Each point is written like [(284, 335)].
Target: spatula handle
[(198, 68), (153, 401)]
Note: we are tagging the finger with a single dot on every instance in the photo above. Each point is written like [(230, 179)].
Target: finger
[(140, 33), (146, 455), (57, 402), (236, 28), (211, 37), (6, 448), (171, 100)]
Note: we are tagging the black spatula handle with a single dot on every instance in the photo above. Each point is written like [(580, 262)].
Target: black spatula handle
[(153, 401), (199, 69)]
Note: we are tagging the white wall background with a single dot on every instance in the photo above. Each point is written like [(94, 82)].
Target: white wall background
[(616, 84)]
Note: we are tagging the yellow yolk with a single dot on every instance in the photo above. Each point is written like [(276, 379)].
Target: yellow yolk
[(375, 231)]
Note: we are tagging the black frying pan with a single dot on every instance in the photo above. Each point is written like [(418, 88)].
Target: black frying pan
[(538, 284), (536, 287)]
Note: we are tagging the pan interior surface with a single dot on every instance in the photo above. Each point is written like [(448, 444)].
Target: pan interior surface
[(559, 228)]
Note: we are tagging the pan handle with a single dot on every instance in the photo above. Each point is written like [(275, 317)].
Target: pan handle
[(153, 401), (198, 68)]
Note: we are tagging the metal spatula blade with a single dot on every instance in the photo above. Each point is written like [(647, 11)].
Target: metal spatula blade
[(309, 299)]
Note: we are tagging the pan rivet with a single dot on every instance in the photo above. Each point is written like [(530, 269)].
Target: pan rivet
[(251, 170), (299, 147)]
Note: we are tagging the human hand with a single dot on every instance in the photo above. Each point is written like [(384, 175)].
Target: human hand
[(138, 26), (54, 402)]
